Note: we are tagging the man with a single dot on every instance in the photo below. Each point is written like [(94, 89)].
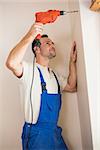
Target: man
[(42, 100)]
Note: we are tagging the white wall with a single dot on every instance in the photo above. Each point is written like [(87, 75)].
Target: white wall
[(91, 39), (83, 99), (18, 17), (1, 23)]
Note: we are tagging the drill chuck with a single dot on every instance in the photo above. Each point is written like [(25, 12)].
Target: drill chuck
[(65, 12)]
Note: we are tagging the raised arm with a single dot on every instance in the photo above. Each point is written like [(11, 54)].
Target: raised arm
[(71, 85), (15, 57)]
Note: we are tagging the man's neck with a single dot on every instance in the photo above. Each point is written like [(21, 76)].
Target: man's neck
[(43, 62)]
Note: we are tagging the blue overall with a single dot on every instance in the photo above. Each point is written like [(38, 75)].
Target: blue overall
[(45, 134)]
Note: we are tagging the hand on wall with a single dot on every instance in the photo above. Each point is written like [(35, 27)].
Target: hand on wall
[(73, 53)]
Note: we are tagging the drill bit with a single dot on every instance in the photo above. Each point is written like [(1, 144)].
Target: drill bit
[(66, 12)]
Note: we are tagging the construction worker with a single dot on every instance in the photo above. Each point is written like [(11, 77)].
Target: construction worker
[(40, 130)]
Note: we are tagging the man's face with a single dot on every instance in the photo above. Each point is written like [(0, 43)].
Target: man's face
[(47, 48)]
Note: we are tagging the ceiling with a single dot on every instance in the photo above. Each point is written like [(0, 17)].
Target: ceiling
[(26, 1)]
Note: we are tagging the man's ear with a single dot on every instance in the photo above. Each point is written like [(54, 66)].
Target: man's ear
[(37, 49)]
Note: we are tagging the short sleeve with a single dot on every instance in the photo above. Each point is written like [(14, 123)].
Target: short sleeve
[(62, 80)]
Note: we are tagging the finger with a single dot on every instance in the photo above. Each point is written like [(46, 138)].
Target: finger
[(38, 30), (39, 27), (75, 51), (74, 42), (73, 46), (39, 24)]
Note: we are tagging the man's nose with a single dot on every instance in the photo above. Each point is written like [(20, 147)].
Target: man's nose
[(52, 44)]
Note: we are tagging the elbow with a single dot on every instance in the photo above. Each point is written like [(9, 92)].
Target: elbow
[(70, 88), (9, 64), (73, 88)]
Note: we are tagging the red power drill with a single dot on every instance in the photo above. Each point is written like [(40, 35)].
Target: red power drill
[(48, 17)]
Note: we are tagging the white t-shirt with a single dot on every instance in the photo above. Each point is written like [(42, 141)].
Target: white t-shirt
[(26, 80)]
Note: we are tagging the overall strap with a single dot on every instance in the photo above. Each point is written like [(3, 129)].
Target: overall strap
[(57, 82), (43, 83)]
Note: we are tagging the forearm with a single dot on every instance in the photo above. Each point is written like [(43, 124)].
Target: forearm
[(72, 78)]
